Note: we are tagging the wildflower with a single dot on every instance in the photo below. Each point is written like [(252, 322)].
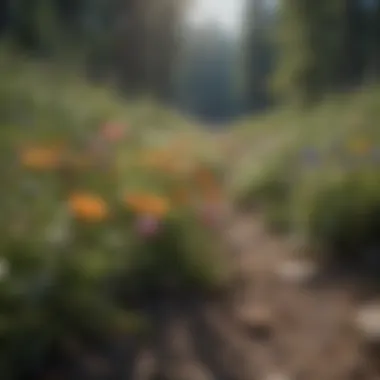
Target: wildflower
[(212, 194), (160, 160), (359, 147), (97, 147), (88, 207), (181, 196), (147, 225), (204, 178), (310, 156), (148, 204), (113, 131), (210, 214), (41, 157), (376, 155), (208, 186)]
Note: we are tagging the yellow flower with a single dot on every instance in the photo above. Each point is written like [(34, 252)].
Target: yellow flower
[(148, 204), (360, 146), (43, 158), (88, 207)]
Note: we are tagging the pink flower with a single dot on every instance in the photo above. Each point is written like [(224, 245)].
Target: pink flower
[(210, 215), (147, 225), (99, 150), (97, 147), (113, 131)]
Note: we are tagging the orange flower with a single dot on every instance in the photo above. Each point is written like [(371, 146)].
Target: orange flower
[(41, 157), (204, 178), (148, 204), (209, 188), (88, 207), (212, 194)]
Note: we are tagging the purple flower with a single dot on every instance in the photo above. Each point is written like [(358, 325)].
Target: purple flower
[(310, 156), (210, 214), (376, 155), (147, 225)]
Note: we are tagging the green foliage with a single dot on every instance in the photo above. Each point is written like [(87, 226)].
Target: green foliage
[(72, 155), (324, 47), (332, 199), (346, 215), (138, 56)]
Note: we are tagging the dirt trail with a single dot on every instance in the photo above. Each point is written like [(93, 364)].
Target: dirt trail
[(269, 328), (272, 329)]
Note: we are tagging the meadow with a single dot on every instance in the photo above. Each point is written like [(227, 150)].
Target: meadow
[(105, 204), (109, 203)]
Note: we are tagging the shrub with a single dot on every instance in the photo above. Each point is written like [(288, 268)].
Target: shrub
[(345, 217), (332, 199)]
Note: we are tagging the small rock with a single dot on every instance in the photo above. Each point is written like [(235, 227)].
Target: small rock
[(298, 244), (277, 376), (368, 321), (97, 365), (296, 271), (259, 322), (145, 366), (183, 372)]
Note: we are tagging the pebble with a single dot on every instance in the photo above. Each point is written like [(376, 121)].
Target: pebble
[(368, 321), (260, 322), (296, 271), (277, 376)]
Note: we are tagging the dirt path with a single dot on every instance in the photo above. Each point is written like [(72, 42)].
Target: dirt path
[(270, 329)]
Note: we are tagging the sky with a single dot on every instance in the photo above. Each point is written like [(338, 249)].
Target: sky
[(227, 13)]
